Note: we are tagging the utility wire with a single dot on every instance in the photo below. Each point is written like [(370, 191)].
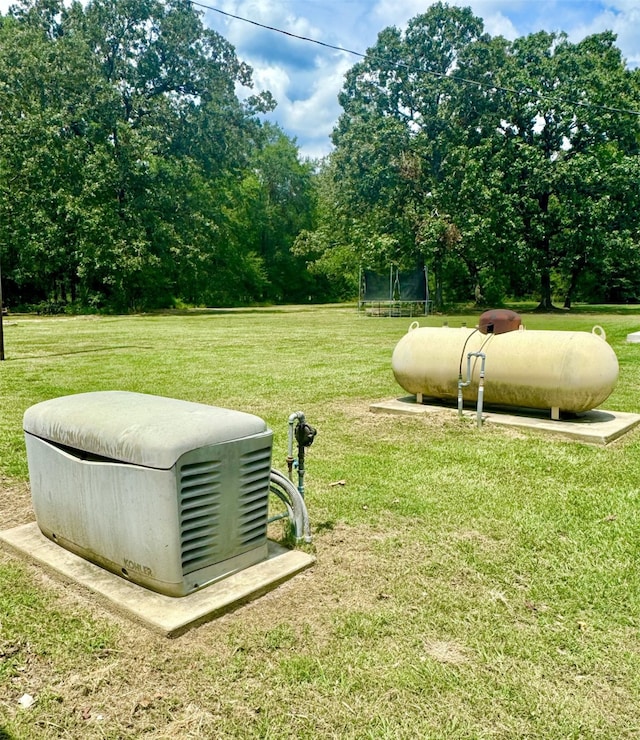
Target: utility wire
[(408, 67), (278, 30)]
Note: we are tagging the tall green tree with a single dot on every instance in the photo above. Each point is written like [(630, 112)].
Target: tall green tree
[(397, 132), (472, 153), (280, 203), (123, 152), (330, 248), (566, 120), (49, 91)]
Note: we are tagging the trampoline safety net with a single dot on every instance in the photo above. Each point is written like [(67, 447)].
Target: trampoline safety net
[(396, 294)]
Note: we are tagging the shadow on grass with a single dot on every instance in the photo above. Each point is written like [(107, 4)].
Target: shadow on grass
[(327, 526), (77, 352)]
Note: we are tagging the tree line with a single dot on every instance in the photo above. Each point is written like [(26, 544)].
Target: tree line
[(132, 176), (509, 169)]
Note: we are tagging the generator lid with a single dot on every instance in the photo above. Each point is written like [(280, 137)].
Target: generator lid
[(137, 428)]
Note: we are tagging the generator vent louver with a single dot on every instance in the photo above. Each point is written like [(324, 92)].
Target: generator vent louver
[(254, 496), (200, 491)]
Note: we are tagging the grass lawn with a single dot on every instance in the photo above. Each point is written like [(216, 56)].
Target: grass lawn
[(469, 583)]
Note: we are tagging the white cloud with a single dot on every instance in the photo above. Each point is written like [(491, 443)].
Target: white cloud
[(494, 12), (623, 18), (314, 117), (266, 12), (269, 77), (392, 13), (310, 118), (499, 25), (306, 79)]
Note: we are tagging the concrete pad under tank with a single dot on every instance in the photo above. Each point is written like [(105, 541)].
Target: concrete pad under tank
[(595, 427)]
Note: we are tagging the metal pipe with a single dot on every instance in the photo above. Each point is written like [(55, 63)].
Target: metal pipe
[(300, 518), (482, 357), (299, 417), (300, 463), (463, 384), (295, 416), (480, 391)]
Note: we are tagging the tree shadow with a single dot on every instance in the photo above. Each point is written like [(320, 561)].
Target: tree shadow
[(76, 352)]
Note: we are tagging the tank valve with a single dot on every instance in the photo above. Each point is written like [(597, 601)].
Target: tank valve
[(305, 434)]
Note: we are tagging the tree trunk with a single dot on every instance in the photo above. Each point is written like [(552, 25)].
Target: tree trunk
[(438, 298), (575, 274), (543, 247), (546, 304)]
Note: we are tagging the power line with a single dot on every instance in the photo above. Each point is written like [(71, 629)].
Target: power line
[(278, 30), (408, 67)]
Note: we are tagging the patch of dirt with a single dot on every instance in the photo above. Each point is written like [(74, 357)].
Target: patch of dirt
[(446, 652), (15, 503), (359, 412)]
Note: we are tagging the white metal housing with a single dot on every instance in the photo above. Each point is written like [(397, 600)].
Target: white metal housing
[(169, 494)]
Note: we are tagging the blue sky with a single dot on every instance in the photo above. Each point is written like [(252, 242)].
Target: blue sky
[(306, 78)]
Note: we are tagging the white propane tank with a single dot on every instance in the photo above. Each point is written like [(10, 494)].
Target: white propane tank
[(559, 370)]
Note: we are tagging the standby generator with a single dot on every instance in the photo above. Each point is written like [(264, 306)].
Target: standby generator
[(169, 494)]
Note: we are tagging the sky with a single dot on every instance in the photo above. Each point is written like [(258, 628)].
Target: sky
[(305, 78)]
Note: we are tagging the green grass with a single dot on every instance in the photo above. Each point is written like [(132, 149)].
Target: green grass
[(469, 584)]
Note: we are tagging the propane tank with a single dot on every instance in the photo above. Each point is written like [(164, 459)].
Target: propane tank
[(559, 370)]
